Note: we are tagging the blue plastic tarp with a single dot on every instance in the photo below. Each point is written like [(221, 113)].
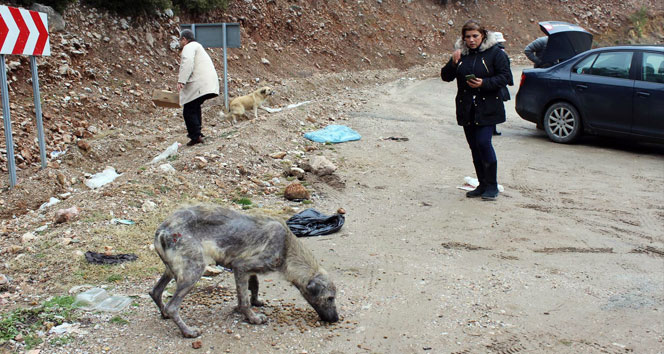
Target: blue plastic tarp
[(333, 134)]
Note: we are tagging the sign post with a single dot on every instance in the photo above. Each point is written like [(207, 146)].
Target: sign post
[(22, 32), (217, 35)]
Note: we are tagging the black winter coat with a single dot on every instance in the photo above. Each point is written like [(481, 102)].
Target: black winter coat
[(489, 63)]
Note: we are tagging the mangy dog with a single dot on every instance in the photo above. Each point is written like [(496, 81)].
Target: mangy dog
[(240, 105), (196, 236)]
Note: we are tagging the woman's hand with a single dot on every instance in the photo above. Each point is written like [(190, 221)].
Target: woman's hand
[(456, 56), (475, 83), (180, 86)]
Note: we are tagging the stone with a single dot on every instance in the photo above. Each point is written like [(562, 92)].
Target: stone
[(56, 22), (278, 155), (84, 145), (320, 166), (65, 215), (28, 237), (296, 191)]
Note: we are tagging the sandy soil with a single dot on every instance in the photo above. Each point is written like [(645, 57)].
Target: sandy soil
[(569, 259)]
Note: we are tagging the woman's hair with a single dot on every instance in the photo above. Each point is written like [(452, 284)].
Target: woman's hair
[(473, 25), (188, 35)]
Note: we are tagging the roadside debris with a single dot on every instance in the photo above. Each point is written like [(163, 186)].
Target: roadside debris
[(296, 192), (99, 179), (50, 202), (333, 134), (171, 150), (471, 183), (100, 258), (395, 138), (98, 299), (310, 222), (116, 221)]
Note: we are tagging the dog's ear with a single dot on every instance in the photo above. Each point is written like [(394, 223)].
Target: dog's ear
[(314, 287)]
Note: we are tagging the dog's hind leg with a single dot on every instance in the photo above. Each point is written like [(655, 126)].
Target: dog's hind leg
[(158, 289), (192, 271), (253, 287), (243, 297)]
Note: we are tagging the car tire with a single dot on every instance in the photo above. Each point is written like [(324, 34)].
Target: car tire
[(562, 123)]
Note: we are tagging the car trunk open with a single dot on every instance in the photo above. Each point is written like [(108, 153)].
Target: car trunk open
[(565, 41)]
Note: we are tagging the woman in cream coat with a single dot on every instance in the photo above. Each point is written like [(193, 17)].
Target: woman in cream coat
[(197, 82)]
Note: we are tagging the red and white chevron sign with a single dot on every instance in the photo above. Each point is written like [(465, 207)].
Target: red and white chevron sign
[(23, 32)]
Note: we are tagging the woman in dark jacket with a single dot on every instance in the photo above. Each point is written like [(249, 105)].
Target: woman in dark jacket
[(482, 70)]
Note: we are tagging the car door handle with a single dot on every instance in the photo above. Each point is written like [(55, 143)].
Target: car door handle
[(643, 94), (581, 87)]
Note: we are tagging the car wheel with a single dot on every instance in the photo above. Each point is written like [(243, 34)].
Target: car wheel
[(562, 123)]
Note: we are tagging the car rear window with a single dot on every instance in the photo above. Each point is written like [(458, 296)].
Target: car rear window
[(653, 67), (613, 64)]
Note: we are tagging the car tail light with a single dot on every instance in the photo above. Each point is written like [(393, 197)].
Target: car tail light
[(523, 79)]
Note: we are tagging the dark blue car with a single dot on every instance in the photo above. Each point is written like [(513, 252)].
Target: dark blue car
[(612, 91)]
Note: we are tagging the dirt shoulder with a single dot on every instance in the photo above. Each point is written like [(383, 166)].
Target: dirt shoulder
[(569, 259)]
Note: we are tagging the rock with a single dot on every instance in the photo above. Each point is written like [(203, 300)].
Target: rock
[(4, 281), (55, 21), (296, 191), (65, 215), (197, 344), (28, 237), (278, 155), (148, 205), (149, 39), (341, 211), (211, 271), (320, 166), (265, 61), (168, 12), (84, 145), (296, 172)]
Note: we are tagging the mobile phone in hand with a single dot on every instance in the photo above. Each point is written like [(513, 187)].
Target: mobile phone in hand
[(470, 77)]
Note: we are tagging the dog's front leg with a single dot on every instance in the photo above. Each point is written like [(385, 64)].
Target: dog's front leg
[(253, 287), (256, 112), (243, 298)]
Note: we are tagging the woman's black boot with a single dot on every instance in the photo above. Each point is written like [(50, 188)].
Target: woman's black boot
[(491, 190), (479, 171)]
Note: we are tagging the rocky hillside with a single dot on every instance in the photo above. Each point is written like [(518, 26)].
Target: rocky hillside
[(103, 68)]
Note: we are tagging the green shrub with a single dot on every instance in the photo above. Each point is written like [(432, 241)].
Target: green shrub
[(57, 5), (130, 7), (639, 20), (200, 6)]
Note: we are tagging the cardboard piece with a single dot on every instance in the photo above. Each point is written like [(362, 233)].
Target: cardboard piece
[(165, 98)]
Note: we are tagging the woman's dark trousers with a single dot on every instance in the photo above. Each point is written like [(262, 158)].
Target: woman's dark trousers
[(484, 160)]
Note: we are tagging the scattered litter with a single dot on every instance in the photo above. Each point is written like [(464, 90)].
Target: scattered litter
[(171, 150), (62, 329), (116, 221), (98, 299), (41, 228), (333, 134), (100, 258), (56, 154), (290, 106), (395, 138), (472, 183), (310, 222), (51, 202), (99, 179)]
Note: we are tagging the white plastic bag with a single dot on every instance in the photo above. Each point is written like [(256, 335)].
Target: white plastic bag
[(99, 179), (171, 150)]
